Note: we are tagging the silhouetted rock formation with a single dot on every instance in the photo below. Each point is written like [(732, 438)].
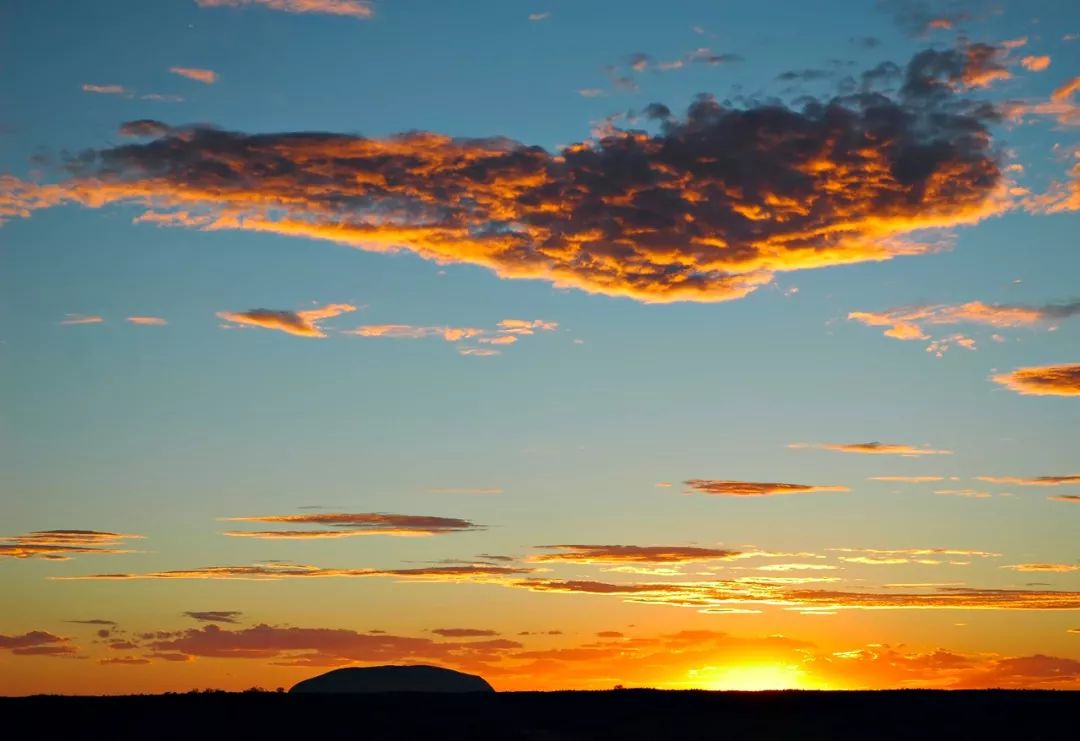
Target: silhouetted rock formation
[(392, 679)]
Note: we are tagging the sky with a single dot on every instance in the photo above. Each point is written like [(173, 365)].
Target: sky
[(730, 345)]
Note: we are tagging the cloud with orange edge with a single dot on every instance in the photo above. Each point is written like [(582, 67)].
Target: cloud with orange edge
[(1056, 568), (277, 571), (147, 321), (347, 524), (709, 208), (506, 332), (604, 554), (59, 545), (872, 448), (77, 319), (359, 9), (299, 323), (728, 488), (908, 479), (37, 643), (1033, 480), (1071, 498), (1046, 380)]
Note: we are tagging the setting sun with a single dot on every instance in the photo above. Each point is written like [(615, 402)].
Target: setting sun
[(748, 677)]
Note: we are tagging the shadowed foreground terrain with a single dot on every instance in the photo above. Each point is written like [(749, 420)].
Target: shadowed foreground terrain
[(620, 714)]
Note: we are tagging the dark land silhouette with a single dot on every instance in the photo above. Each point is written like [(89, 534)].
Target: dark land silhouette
[(416, 678), (542, 716)]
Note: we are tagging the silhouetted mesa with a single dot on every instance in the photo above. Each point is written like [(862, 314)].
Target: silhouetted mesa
[(418, 678)]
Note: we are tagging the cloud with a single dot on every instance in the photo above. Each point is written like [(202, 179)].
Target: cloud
[(873, 448), (727, 488), (909, 322), (539, 16), (908, 479), (56, 545), (590, 92), (463, 632), (709, 209), (1035, 63), (95, 621), (1072, 498), (278, 571), (1061, 107), (37, 643), (346, 524), (466, 490), (72, 319), (105, 89), (1032, 480), (1058, 568), (506, 332), (124, 661), (205, 76), (360, 9), (970, 493), (1047, 380), (215, 616), (155, 321), (897, 556), (590, 554), (299, 323), (920, 17)]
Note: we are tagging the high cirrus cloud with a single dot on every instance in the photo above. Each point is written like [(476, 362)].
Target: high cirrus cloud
[(277, 571), (727, 488), (506, 332), (1032, 480), (300, 323), (59, 545), (361, 9), (872, 448), (346, 524), (588, 554), (710, 208), (1046, 380)]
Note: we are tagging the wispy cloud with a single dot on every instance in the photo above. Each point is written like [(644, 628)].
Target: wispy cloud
[(59, 545), (896, 556), (1059, 568), (215, 616), (1032, 480), (534, 17), (105, 89), (147, 320), (908, 479), (466, 490), (727, 488), (872, 448), (506, 332), (75, 319), (300, 323), (1071, 498), (280, 571), (205, 76), (346, 524), (969, 493), (360, 9), (1046, 380)]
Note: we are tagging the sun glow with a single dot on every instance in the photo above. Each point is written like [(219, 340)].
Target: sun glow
[(748, 677)]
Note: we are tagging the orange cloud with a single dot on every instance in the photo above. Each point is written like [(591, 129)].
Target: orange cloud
[(897, 556), (361, 9), (1035, 63), (205, 76), (971, 493), (1032, 480), (908, 322), (1047, 380), (908, 479), (147, 320), (464, 632), (630, 554), (727, 488), (873, 448), (124, 660), (299, 323), (37, 643), (506, 332), (55, 545), (74, 319), (708, 210), (1073, 498), (344, 524), (1058, 568)]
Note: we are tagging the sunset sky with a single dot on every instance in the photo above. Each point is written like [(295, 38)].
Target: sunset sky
[(710, 343)]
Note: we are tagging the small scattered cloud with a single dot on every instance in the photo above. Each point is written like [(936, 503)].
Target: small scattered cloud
[(37, 643), (589, 554), (534, 17), (94, 621), (300, 323), (591, 92), (505, 332), (205, 76), (278, 571), (464, 632), (59, 545), (1035, 63), (124, 661), (1058, 568), (969, 493), (105, 89), (728, 488), (1046, 380), (1032, 480), (872, 448), (215, 616), (1071, 498), (908, 479), (154, 321), (346, 524), (359, 9), (75, 319)]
